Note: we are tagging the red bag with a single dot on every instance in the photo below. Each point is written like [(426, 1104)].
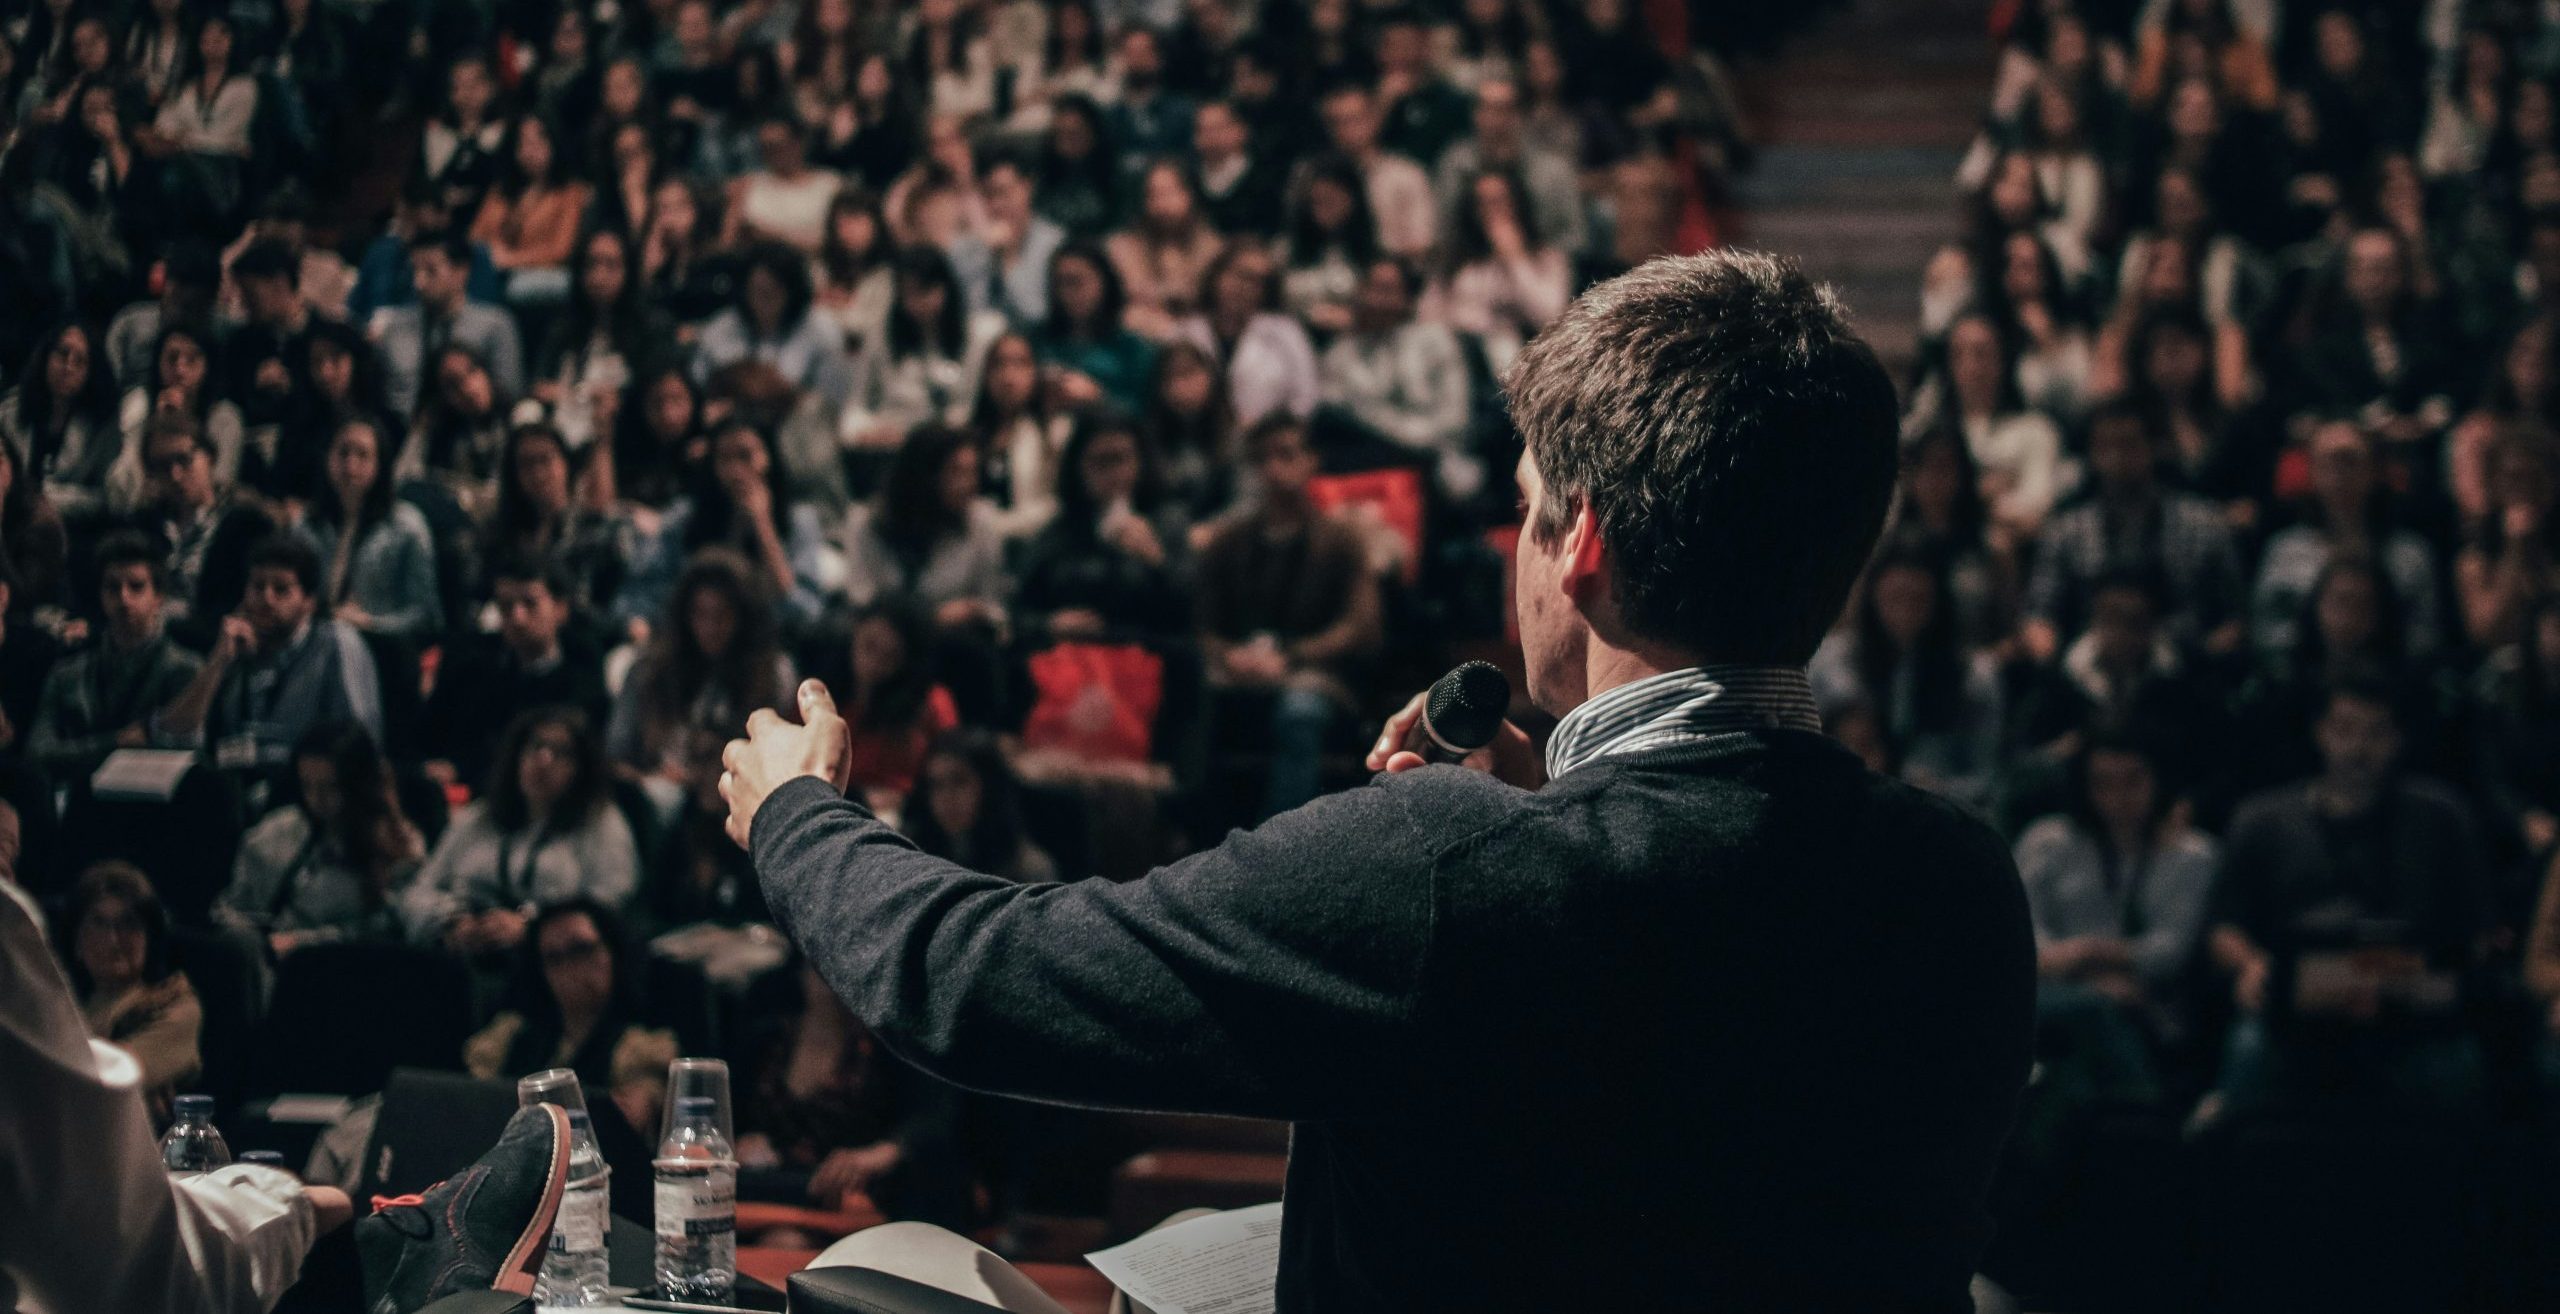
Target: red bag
[(1096, 701)]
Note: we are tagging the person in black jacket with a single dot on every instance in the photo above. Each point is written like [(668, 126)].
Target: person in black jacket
[(1709, 1121), (536, 659)]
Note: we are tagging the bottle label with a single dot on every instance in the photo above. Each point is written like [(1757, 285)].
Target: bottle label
[(582, 1223), (698, 1204)]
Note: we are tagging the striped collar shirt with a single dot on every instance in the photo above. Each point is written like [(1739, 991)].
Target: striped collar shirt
[(1683, 707)]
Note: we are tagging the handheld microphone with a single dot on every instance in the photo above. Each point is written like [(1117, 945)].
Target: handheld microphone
[(1464, 710)]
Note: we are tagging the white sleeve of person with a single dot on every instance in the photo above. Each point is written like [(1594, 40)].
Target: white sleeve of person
[(89, 1219)]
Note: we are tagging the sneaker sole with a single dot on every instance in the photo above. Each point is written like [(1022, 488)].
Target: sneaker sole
[(524, 1262)]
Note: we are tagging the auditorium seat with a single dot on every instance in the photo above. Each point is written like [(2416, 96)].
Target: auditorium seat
[(1161, 1182), (230, 987), (344, 1015)]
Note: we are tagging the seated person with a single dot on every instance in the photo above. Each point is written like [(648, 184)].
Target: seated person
[(2352, 900), (2118, 892), (545, 832), (740, 501), (967, 807), (109, 696), (118, 960), (574, 1003), (335, 862), (883, 679), (825, 1112), (203, 528), (713, 659), (1395, 387), (2134, 519), (485, 682), (2516, 735), (1289, 608), (380, 559), (440, 267), (2124, 673), (279, 670), (1110, 565), (1937, 706)]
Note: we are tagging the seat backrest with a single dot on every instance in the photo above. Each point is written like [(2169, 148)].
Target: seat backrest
[(344, 1015), (227, 978), (868, 1291)]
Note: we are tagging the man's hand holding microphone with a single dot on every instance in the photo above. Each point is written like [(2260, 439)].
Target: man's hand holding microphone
[(1460, 719)]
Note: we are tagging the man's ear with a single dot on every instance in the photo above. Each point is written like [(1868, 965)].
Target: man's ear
[(1586, 569)]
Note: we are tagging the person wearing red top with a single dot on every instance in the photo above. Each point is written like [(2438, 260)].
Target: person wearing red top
[(886, 685)]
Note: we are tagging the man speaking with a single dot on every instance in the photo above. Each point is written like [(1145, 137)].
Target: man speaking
[(1698, 1013)]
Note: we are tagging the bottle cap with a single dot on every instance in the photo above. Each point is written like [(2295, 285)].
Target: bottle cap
[(193, 1106), (696, 1106)]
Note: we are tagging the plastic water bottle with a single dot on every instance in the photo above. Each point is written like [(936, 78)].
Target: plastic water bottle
[(574, 1272), (697, 1205), (192, 1145)]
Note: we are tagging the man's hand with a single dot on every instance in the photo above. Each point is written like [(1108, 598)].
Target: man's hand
[(1510, 758), (776, 752), (851, 1172)]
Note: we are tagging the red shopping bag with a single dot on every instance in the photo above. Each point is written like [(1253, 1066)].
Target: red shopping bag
[(1097, 701)]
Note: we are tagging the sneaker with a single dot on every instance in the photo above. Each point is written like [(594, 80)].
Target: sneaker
[(484, 1229)]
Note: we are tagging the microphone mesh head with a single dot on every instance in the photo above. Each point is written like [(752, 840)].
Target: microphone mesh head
[(1467, 705)]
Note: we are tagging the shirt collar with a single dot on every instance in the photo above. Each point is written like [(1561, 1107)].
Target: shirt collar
[(1683, 706)]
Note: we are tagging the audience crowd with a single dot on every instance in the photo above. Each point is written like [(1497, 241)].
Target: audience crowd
[(428, 430)]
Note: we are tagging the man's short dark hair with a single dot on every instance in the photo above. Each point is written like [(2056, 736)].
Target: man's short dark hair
[(455, 245), (268, 258), (288, 551), (1734, 439), (179, 425), (127, 548), (1258, 439), (532, 568)]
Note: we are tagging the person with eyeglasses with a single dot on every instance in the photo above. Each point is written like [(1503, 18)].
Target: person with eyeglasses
[(544, 831), (574, 1004), (203, 529)]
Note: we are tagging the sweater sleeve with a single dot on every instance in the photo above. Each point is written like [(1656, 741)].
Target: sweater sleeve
[(1273, 976)]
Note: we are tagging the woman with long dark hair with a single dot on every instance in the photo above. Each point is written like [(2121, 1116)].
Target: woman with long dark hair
[(202, 132), (881, 671), (1940, 515), (573, 1001), (1085, 336), (1078, 188), (543, 514), (335, 862), (2513, 556), (459, 431), (346, 384), (544, 831), (1071, 62), (737, 499), (1110, 565), (922, 367), (714, 656), (2523, 394), (1333, 239), (1971, 388), (606, 336), (182, 382), (1193, 430), (35, 549), (378, 560), (1266, 360), (60, 421), (855, 283), (771, 321), (1020, 431), (967, 808), (529, 221), (1164, 254), (1503, 281), (658, 439), (930, 533), (946, 56), (1939, 706)]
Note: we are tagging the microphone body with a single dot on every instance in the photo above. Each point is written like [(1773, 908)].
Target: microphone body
[(1462, 714)]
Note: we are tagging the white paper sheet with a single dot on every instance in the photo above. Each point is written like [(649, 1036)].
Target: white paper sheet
[(149, 774), (1223, 1264)]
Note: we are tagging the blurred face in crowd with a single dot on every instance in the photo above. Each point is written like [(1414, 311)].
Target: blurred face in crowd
[(1188, 385), (1497, 115), (1975, 365), (873, 80), (270, 299), (469, 90), (1141, 61), (1542, 68), (1013, 372), (2374, 274), (2122, 627), (177, 473), (530, 617), (2546, 639), (182, 365), (1496, 205), (533, 147), (2358, 741), (113, 944), (1217, 135), (959, 484), (711, 620), (66, 366), (1384, 301), (605, 270), (131, 602), (577, 965), (276, 604), (2522, 476), (2181, 204), (438, 277), (1076, 287), (91, 48), (956, 791), (767, 300), (547, 766), (2528, 363), (542, 473), (2193, 116), (879, 651), (625, 87), (670, 407), (2121, 452), (1351, 122), (694, 31), (568, 37), (318, 777), (739, 460), (1110, 467), (1167, 198), (2531, 117), (2022, 269), (1401, 48), (1936, 481), (1238, 293), (2342, 468), (2168, 276), (2174, 361), (2121, 789), (466, 385), (2338, 44), (779, 147), (1071, 134), (672, 209), (355, 459), (921, 300), (1906, 600), (2057, 114), (2013, 192), (213, 41), (1007, 194), (1285, 464), (1329, 203), (946, 143)]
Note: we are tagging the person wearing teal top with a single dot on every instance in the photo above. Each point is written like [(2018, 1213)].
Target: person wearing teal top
[(1092, 356)]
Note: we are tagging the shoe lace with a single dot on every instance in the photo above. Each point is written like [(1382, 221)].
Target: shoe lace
[(412, 1201)]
